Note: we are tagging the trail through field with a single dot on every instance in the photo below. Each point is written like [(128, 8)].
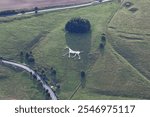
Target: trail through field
[(19, 4), (63, 7), (24, 67)]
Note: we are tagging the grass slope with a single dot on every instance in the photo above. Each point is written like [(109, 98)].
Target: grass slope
[(109, 74), (15, 85), (131, 35)]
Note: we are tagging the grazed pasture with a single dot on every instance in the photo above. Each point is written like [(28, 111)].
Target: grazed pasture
[(120, 71)]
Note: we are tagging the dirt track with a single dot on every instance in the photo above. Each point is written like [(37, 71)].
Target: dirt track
[(20, 4)]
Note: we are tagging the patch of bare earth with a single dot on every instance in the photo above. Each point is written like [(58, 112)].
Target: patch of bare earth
[(20, 4)]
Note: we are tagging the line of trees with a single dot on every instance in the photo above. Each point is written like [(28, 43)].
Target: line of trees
[(15, 12)]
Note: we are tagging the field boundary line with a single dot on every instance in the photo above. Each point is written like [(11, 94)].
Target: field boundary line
[(128, 63)]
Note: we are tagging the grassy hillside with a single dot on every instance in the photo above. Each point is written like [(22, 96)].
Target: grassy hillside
[(109, 75), (130, 35), (15, 84)]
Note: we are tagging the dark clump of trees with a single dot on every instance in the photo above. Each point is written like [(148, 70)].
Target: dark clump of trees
[(27, 57), (8, 12), (78, 25)]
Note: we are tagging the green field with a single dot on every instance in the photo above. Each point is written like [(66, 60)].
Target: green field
[(120, 71), (15, 85)]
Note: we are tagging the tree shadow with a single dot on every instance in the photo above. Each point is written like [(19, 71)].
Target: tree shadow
[(102, 49), (80, 42), (83, 82)]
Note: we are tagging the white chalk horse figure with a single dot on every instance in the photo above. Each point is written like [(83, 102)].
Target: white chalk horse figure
[(72, 52)]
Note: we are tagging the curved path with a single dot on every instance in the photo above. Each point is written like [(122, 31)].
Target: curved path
[(68, 7), (26, 68)]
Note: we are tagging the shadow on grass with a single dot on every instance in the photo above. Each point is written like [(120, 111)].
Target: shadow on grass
[(80, 42)]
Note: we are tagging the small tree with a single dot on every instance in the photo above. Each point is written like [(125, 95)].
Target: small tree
[(103, 38), (42, 72), (34, 76), (54, 72), (36, 10), (27, 55), (58, 86), (82, 79), (82, 74), (31, 59), (21, 56), (21, 53)]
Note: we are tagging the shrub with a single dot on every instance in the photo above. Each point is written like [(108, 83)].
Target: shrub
[(21, 53), (78, 25), (127, 4), (54, 72), (36, 10), (31, 60), (27, 55), (82, 74), (103, 38)]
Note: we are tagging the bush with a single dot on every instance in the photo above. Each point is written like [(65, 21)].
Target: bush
[(82, 74), (78, 25), (31, 60), (127, 4), (103, 38), (36, 10)]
